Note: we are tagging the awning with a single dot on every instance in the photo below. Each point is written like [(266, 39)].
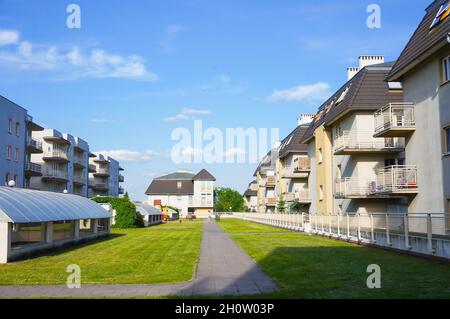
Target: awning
[(28, 206), (146, 210)]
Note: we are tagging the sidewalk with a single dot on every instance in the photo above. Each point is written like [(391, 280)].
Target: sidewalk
[(224, 269)]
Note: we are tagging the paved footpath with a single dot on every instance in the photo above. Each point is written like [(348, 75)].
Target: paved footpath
[(224, 269)]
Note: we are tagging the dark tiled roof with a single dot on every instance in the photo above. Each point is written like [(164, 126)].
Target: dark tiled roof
[(177, 176), (367, 90), (293, 142), (249, 193), (204, 175), (170, 187), (423, 43)]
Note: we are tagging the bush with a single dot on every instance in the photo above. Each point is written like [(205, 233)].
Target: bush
[(126, 214)]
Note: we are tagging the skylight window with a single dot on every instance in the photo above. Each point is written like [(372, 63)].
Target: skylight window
[(395, 85), (342, 97), (442, 14)]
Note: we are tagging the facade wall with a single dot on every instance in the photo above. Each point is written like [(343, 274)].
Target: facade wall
[(312, 179), (14, 167), (102, 162), (324, 159), (425, 146), (203, 194)]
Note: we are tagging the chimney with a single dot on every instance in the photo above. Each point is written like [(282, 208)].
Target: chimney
[(305, 119), (351, 72), (364, 60)]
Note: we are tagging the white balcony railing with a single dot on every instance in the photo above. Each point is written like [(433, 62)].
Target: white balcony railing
[(56, 155), (33, 143), (397, 179), (351, 187), (358, 140), (303, 196), (395, 116)]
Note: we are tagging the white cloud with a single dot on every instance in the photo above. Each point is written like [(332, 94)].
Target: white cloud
[(186, 114), (8, 37), (124, 155), (73, 63), (314, 92), (170, 34)]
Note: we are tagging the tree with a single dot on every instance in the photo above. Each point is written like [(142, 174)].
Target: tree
[(296, 207), (281, 206), (126, 214), (228, 200)]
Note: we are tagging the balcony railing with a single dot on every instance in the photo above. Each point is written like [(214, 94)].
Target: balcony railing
[(55, 174), (102, 171), (98, 186), (395, 119), (302, 164), (92, 168), (121, 190), (121, 179), (270, 181), (79, 179), (397, 179), (271, 201), (349, 187), (34, 145), (289, 197), (56, 155), (303, 196), (33, 168), (79, 161), (356, 142)]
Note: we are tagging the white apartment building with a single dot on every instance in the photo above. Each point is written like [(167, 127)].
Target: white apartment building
[(266, 178), (16, 143), (105, 176), (251, 197), (188, 192)]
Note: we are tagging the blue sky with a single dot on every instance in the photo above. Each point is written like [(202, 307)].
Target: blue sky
[(135, 72)]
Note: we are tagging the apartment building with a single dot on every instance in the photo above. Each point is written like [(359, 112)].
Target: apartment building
[(189, 192), (266, 179), (251, 197), (16, 144), (423, 118), (293, 167), (347, 158), (105, 176)]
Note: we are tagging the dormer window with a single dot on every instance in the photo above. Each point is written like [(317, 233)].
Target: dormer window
[(442, 14)]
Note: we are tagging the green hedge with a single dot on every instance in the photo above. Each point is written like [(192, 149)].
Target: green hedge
[(126, 215)]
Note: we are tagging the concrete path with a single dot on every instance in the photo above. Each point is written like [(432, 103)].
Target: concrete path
[(224, 269)]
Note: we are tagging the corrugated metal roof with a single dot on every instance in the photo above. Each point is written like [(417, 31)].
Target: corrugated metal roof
[(146, 210), (29, 206)]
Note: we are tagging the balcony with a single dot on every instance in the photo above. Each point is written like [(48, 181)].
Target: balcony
[(79, 162), (102, 187), (102, 172), (271, 181), (121, 179), (56, 156), (121, 191), (355, 142), (92, 168), (289, 197), (395, 120), (303, 197), (33, 169), (79, 179), (55, 175), (271, 201), (352, 187), (397, 180), (300, 169), (34, 146)]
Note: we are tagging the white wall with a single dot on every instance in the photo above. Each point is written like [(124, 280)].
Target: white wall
[(312, 180)]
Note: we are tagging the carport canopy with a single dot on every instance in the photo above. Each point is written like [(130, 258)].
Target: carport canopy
[(23, 206), (147, 210)]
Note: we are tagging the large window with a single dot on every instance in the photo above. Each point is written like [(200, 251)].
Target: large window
[(26, 234), (86, 227), (63, 230), (446, 70)]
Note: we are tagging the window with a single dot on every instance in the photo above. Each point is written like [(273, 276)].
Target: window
[(179, 185), (321, 194), (447, 140), (10, 126), (16, 155), (442, 14), (446, 70), (7, 178), (8, 152), (17, 129), (320, 156), (16, 179)]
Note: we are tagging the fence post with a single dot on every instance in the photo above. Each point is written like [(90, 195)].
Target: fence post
[(303, 222), (406, 225), (430, 234), (372, 230), (339, 225), (388, 231), (321, 221), (359, 227), (348, 227), (329, 224)]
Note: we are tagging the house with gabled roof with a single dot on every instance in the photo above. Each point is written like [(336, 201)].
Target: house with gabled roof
[(184, 190)]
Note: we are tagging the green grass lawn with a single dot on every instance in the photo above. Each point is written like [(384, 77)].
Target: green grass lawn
[(314, 267), (160, 254), (236, 226)]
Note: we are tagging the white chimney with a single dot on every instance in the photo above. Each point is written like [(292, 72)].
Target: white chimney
[(351, 72), (366, 60), (305, 119)]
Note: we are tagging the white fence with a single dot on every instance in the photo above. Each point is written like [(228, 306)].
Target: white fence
[(420, 233)]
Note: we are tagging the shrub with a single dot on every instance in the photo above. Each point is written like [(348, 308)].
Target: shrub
[(126, 214)]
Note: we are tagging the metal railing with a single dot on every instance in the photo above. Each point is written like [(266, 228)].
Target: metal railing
[(79, 160), (302, 164), (92, 168), (351, 186), (421, 233), (57, 174), (80, 179), (102, 171), (397, 178), (56, 155), (395, 115), (31, 142), (121, 178), (358, 140), (33, 167)]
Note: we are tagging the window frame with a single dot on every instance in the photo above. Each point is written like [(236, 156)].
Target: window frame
[(10, 125), (445, 70), (446, 140), (8, 152)]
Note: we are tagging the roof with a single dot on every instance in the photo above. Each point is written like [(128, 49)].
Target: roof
[(293, 142), (176, 176), (267, 163), (204, 175), (368, 90), (28, 206), (424, 42), (147, 210), (170, 187), (249, 193)]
